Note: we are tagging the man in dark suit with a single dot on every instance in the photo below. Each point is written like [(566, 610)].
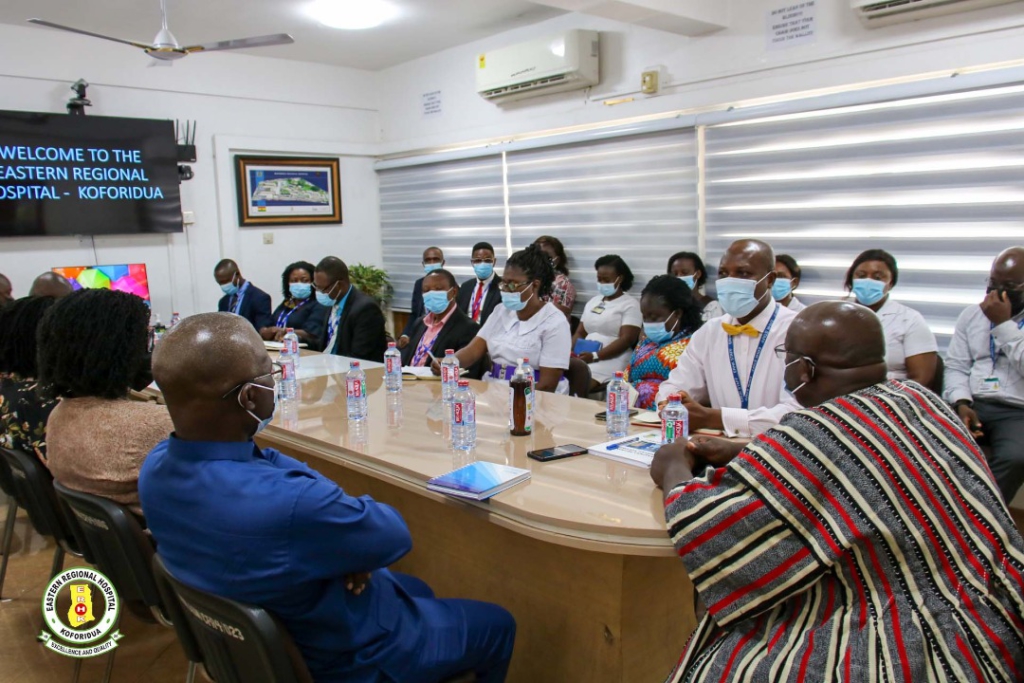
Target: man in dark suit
[(433, 259), (443, 327), (354, 325), (479, 296), (241, 297)]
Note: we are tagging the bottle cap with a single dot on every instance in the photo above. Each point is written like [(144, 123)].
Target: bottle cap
[(449, 352), (677, 398), (353, 365), (287, 329), (526, 360), (463, 383), (391, 345), (619, 375)]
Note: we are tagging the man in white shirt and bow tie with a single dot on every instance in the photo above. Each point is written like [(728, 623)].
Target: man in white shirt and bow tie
[(730, 375)]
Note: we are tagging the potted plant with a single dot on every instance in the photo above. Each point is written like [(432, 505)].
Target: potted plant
[(373, 281)]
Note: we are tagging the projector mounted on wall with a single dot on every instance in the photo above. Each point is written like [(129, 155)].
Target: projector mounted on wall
[(875, 13), (567, 61)]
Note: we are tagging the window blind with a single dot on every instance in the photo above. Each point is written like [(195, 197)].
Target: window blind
[(634, 196), (451, 205), (937, 181)]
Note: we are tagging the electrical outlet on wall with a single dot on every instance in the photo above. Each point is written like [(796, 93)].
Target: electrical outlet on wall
[(268, 238)]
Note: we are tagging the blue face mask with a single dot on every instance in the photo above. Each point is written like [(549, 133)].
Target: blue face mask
[(325, 299), (868, 291), (607, 288), (431, 267), (690, 280), (262, 424), (736, 295), (513, 301), (659, 333), (781, 289), (230, 288), (435, 302), (300, 290), (483, 270)]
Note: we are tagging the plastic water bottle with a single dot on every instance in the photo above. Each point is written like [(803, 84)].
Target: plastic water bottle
[(291, 345), (449, 376), (617, 416), (159, 329), (355, 390), (463, 414), (392, 369), (675, 421), (286, 388), (175, 319), (289, 411)]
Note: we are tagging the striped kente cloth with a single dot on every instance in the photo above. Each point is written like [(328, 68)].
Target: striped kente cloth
[(863, 540)]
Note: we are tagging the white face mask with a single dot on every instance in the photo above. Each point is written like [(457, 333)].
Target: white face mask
[(793, 391), (261, 424)]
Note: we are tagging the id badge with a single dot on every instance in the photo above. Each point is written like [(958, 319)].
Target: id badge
[(598, 309), (990, 385)]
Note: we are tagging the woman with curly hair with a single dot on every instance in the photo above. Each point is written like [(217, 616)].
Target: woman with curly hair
[(671, 316), (23, 412), (93, 350), (562, 293), (299, 309), (524, 326)]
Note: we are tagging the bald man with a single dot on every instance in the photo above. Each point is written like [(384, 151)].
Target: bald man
[(985, 369), (50, 284), (257, 526), (728, 376), (242, 297), (5, 291), (862, 539)]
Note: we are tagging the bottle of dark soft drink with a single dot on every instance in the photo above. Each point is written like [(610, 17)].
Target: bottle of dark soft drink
[(521, 395)]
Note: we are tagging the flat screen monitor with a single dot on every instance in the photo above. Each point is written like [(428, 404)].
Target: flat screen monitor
[(128, 277), (87, 175)]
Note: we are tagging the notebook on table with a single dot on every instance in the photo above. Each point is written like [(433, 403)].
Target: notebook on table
[(478, 480), (637, 449)]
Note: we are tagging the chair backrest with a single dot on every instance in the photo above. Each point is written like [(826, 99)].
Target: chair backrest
[(578, 375), (235, 642), (117, 545), (33, 490), (6, 482), (940, 377)]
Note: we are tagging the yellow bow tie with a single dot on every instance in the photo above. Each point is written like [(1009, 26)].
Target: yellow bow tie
[(748, 330)]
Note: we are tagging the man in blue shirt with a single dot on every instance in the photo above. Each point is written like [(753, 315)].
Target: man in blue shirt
[(257, 526)]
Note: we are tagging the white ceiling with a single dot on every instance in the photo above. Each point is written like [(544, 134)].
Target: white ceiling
[(423, 27)]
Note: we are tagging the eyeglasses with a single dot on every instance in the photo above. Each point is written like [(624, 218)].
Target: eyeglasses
[(1005, 286), (274, 374), (481, 261), (781, 352), (507, 286)]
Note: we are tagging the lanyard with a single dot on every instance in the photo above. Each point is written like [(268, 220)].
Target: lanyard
[(992, 345), (745, 395), (238, 298), (282, 318)]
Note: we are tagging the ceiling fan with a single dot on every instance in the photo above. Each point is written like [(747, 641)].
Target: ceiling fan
[(165, 46)]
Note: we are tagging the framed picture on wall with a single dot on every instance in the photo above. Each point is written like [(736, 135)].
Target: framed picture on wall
[(287, 190)]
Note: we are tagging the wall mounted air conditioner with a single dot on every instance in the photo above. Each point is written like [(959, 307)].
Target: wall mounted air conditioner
[(875, 13), (567, 61)]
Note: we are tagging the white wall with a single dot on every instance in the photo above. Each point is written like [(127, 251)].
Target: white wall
[(723, 67), (240, 103)]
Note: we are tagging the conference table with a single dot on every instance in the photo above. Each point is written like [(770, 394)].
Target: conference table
[(578, 553)]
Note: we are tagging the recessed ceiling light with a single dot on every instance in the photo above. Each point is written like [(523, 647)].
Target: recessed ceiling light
[(352, 14)]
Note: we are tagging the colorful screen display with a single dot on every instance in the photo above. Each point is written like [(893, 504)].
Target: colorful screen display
[(130, 277)]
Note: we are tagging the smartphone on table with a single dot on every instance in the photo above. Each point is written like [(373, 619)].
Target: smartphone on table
[(557, 453)]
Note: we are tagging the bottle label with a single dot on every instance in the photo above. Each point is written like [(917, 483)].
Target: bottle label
[(463, 414), (672, 430), (529, 409), (613, 401), (449, 373), (355, 388), (287, 371), (292, 345), (511, 408), (389, 364)]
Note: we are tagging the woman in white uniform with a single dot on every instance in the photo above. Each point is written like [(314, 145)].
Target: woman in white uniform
[(612, 319), (524, 326), (689, 267), (787, 279), (910, 348)]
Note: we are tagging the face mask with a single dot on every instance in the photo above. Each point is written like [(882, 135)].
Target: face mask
[(690, 281), (607, 288), (483, 270), (781, 289), (325, 299), (868, 291), (300, 290), (659, 333), (261, 424), (513, 301), (435, 302), (230, 288), (431, 267), (737, 295), (785, 384)]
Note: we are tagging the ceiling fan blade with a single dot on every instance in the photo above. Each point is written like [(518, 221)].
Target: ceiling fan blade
[(49, 24), (239, 43)]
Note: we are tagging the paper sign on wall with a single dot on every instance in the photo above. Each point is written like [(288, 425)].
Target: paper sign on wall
[(792, 25), (432, 103)]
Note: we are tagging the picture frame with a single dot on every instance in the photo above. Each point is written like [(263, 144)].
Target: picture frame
[(276, 190)]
